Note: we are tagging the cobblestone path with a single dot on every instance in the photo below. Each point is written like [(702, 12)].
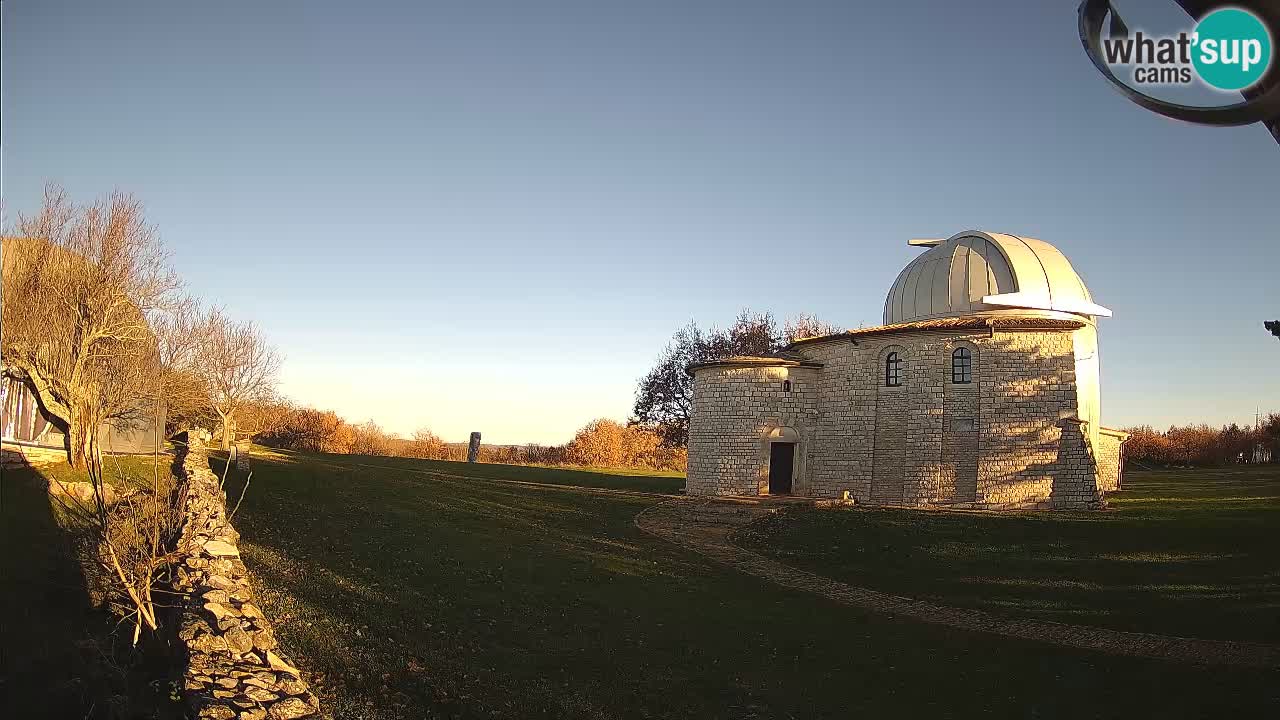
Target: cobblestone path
[(705, 526)]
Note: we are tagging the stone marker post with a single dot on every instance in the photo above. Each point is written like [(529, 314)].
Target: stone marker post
[(473, 450), (241, 455)]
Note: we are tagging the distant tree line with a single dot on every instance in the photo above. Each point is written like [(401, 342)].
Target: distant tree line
[(1204, 445), (600, 443)]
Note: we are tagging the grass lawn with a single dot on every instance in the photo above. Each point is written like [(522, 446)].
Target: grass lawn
[(654, 481), (415, 588), (1189, 553), (61, 657)]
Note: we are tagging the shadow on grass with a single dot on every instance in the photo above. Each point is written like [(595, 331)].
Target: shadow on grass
[(462, 598), (62, 656), (1179, 553)]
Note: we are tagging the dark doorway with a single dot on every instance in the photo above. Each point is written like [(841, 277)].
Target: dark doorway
[(782, 457)]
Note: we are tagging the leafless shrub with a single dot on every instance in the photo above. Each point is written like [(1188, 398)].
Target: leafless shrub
[(370, 439), (424, 444), (806, 326), (130, 523), (134, 542)]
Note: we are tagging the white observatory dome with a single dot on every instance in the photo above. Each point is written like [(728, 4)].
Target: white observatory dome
[(981, 273)]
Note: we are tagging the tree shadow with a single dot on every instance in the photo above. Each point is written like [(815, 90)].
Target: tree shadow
[(48, 664), (65, 655)]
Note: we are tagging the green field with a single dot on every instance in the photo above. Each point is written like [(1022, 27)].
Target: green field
[(414, 588), (1188, 553), (411, 589)]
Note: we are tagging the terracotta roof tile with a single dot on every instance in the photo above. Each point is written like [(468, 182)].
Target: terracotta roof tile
[(1012, 322)]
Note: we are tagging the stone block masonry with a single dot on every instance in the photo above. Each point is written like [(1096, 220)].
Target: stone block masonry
[(1019, 435), (980, 391), (235, 668), (1111, 459)]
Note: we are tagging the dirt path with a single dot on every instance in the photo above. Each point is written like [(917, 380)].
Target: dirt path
[(705, 526)]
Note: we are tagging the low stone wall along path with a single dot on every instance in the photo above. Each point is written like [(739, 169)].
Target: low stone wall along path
[(235, 668), (705, 526)]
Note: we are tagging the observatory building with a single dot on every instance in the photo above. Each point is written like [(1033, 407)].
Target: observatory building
[(980, 390)]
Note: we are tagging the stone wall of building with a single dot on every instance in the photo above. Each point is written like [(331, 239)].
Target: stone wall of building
[(1110, 459), (1027, 388), (235, 669), (995, 443), (734, 411), (1075, 477)]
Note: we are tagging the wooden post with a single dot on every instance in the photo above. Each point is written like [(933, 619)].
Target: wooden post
[(473, 450)]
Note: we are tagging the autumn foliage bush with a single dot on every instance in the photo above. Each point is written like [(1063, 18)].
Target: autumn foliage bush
[(309, 430), (601, 443), (605, 443), (1202, 444)]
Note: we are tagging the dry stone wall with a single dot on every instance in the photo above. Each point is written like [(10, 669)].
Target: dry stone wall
[(999, 442), (235, 668)]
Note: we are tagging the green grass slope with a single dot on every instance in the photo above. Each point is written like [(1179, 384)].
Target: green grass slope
[(416, 589), (1188, 553)]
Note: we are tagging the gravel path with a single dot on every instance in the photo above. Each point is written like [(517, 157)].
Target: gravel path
[(705, 526)]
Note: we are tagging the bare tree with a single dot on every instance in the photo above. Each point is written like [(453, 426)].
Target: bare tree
[(179, 331), (79, 284), (260, 418), (237, 366), (806, 326), (664, 396)]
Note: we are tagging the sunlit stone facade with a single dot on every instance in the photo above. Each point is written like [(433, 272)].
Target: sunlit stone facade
[(987, 406)]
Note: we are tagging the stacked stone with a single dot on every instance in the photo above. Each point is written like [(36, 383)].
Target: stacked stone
[(234, 669), (1076, 486)]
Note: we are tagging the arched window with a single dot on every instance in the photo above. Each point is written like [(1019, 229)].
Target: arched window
[(962, 366), (892, 370)]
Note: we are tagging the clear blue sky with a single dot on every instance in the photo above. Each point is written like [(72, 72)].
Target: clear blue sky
[(491, 215)]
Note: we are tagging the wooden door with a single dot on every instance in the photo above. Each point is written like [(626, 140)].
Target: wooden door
[(782, 457)]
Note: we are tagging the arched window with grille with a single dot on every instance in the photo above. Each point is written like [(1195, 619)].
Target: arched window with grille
[(962, 366), (893, 370)]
